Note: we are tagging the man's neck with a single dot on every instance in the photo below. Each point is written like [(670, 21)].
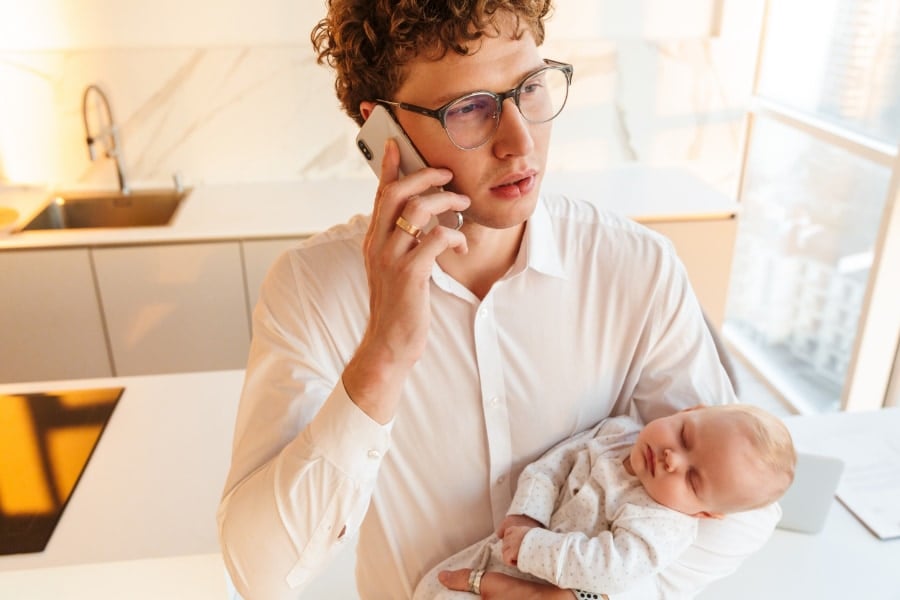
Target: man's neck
[(491, 254)]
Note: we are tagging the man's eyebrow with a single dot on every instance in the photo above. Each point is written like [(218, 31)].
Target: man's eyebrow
[(445, 98), (449, 97)]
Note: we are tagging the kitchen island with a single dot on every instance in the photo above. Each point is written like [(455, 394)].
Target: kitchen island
[(141, 522)]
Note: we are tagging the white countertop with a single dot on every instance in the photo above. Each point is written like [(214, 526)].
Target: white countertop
[(288, 209), (237, 211), (152, 485), (140, 524)]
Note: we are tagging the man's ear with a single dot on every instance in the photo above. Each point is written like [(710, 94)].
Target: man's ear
[(705, 514), (365, 108)]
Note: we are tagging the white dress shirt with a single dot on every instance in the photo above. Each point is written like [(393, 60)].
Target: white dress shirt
[(595, 318)]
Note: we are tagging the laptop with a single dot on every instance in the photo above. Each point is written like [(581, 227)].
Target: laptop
[(806, 503)]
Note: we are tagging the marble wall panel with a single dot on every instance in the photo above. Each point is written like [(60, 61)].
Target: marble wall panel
[(215, 114), (266, 111)]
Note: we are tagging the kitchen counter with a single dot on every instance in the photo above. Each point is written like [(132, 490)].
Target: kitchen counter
[(290, 209), (140, 524), (151, 488), (213, 212)]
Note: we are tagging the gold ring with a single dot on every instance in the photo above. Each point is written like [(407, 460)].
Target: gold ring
[(408, 227), (475, 576)]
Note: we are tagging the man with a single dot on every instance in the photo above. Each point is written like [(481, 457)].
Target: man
[(398, 380)]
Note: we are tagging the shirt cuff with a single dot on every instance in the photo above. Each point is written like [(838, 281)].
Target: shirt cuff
[(348, 438)]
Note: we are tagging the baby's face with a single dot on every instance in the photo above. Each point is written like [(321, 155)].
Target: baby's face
[(699, 461)]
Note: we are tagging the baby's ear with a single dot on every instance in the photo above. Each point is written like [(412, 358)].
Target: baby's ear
[(705, 514)]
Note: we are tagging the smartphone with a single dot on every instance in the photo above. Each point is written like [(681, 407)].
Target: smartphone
[(380, 126)]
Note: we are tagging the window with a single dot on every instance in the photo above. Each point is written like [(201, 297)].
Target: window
[(812, 304)]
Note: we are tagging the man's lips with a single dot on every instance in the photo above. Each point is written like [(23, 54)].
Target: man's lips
[(515, 179), (514, 188)]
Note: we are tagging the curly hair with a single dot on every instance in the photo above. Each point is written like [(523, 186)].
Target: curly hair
[(368, 42)]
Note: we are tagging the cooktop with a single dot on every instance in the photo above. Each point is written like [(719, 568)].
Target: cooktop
[(46, 441)]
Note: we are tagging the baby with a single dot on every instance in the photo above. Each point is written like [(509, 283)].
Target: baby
[(616, 504)]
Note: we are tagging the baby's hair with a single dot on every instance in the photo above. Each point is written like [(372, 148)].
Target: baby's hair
[(771, 438)]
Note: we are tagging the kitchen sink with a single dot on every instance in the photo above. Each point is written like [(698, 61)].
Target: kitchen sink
[(139, 208)]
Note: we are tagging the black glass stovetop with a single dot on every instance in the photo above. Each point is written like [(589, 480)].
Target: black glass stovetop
[(46, 440)]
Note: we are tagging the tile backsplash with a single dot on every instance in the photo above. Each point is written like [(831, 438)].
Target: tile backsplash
[(244, 104)]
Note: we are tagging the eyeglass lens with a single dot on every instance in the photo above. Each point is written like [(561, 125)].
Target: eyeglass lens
[(472, 120)]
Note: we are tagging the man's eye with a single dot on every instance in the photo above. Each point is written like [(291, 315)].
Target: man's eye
[(476, 105), (533, 85)]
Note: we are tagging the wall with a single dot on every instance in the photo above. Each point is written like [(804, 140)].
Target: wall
[(229, 91)]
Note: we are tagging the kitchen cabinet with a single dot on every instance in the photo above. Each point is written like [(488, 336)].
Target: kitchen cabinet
[(706, 246), (258, 257), (174, 307), (699, 219), (51, 323)]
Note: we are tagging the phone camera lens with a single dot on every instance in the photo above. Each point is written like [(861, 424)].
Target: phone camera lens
[(364, 149)]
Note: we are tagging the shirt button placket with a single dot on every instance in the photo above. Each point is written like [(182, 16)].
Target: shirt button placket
[(496, 415)]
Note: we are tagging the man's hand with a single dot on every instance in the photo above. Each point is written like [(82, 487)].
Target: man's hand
[(499, 586), (398, 268)]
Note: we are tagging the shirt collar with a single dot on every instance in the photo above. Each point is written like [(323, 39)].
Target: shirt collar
[(540, 245), (539, 251)]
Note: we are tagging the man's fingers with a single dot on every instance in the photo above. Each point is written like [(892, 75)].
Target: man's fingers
[(390, 162)]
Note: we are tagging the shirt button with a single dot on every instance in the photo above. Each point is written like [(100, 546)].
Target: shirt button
[(482, 313), (495, 401), (374, 454), (501, 479)]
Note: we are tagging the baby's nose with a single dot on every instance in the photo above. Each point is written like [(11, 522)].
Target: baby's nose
[(670, 461)]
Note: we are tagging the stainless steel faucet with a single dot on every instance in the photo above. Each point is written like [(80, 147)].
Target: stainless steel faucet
[(108, 135)]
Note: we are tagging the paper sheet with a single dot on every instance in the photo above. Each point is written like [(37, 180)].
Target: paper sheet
[(870, 485)]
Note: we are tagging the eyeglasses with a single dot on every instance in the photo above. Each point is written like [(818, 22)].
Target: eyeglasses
[(472, 120)]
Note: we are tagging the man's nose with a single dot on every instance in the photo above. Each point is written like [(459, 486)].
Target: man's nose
[(513, 134)]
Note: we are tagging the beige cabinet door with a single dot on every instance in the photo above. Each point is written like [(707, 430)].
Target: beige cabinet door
[(50, 321), (175, 307), (258, 257), (706, 247)]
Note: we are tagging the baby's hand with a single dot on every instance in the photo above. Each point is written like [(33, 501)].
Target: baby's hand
[(512, 540), (511, 521)]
